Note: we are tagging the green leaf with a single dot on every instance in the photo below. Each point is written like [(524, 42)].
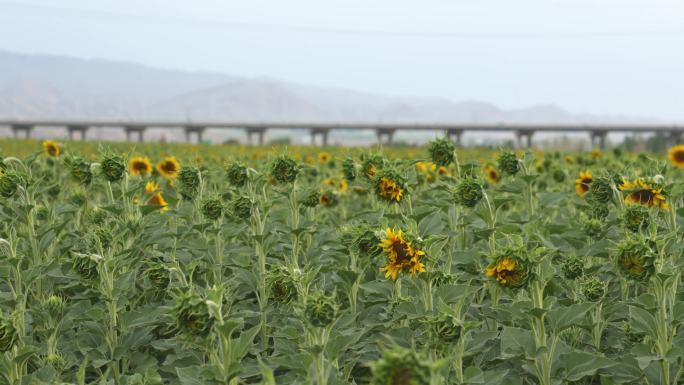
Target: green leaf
[(643, 321), (581, 364), (562, 318), (473, 375)]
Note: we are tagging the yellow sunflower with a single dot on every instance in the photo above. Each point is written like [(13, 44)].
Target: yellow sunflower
[(401, 255), (324, 157), (139, 166), (390, 189), (343, 186), (443, 170), (51, 148), (493, 174), (676, 155), (582, 183), (330, 182), (641, 192), (507, 272), (151, 187), (168, 167), (370, 171), (596, 153), (158, 200)]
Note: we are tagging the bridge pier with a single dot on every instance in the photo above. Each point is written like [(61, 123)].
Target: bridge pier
[(138, 130), (387, 133), (519, 134), (198, 131), (80, 129), (25, 128), (454, 135), (598, 137), (323, 132), (260, 135)]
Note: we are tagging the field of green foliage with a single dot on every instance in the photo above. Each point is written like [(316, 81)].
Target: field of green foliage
[(163, 264)]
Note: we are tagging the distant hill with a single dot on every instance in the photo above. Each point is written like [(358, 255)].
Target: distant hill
[(46, 86)]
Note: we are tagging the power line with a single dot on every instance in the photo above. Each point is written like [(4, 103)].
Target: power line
[(73, 13)]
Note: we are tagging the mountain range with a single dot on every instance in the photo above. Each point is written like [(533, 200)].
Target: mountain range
[(47, 86)]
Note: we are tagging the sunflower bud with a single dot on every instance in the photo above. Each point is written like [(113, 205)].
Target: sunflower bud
[(593, 289), (509, 269), (192, 315), (328, 198), (282, 286), (157, 273), (573, 267), (508, 163), (54, 306), (390, 186), (284, 169), (56, 361), (113, 167), (86, 265), (399, 367), (349, 169), (98, 216), (371, 165), (104, 236), (237, 174), (635, 258), (213, 208), (54, 191), (635, 218), (445, 328), (80, 170), (311, 198), (42, 213), (78, 199), (593, 227), (468, 192), (320, 310), (8, 334), (441, 152), (242, 207), (365, 243), (559, 175), (190, 179), (600, 191), (9, 182)]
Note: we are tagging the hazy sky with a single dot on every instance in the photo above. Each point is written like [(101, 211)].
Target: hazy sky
[(601, 56)]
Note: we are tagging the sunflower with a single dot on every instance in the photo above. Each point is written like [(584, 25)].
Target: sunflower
[(158, 200), (508, 271), (151, 187), (168, 167), (642, 193), (596, 153), (324, 157), (493, 175), (51, 148), (389, 189), (401, 255), (676, 155), (343, 186), (582, 183), (443, 170), (330, 182), (426, 166), (139, 166)]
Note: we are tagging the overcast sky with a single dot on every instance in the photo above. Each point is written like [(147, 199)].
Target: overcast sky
[(601, 56)]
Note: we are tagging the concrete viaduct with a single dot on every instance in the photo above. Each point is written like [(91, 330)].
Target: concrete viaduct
[(194, 131)]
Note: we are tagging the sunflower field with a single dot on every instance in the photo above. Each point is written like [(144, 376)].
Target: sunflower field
[(193, 265)]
